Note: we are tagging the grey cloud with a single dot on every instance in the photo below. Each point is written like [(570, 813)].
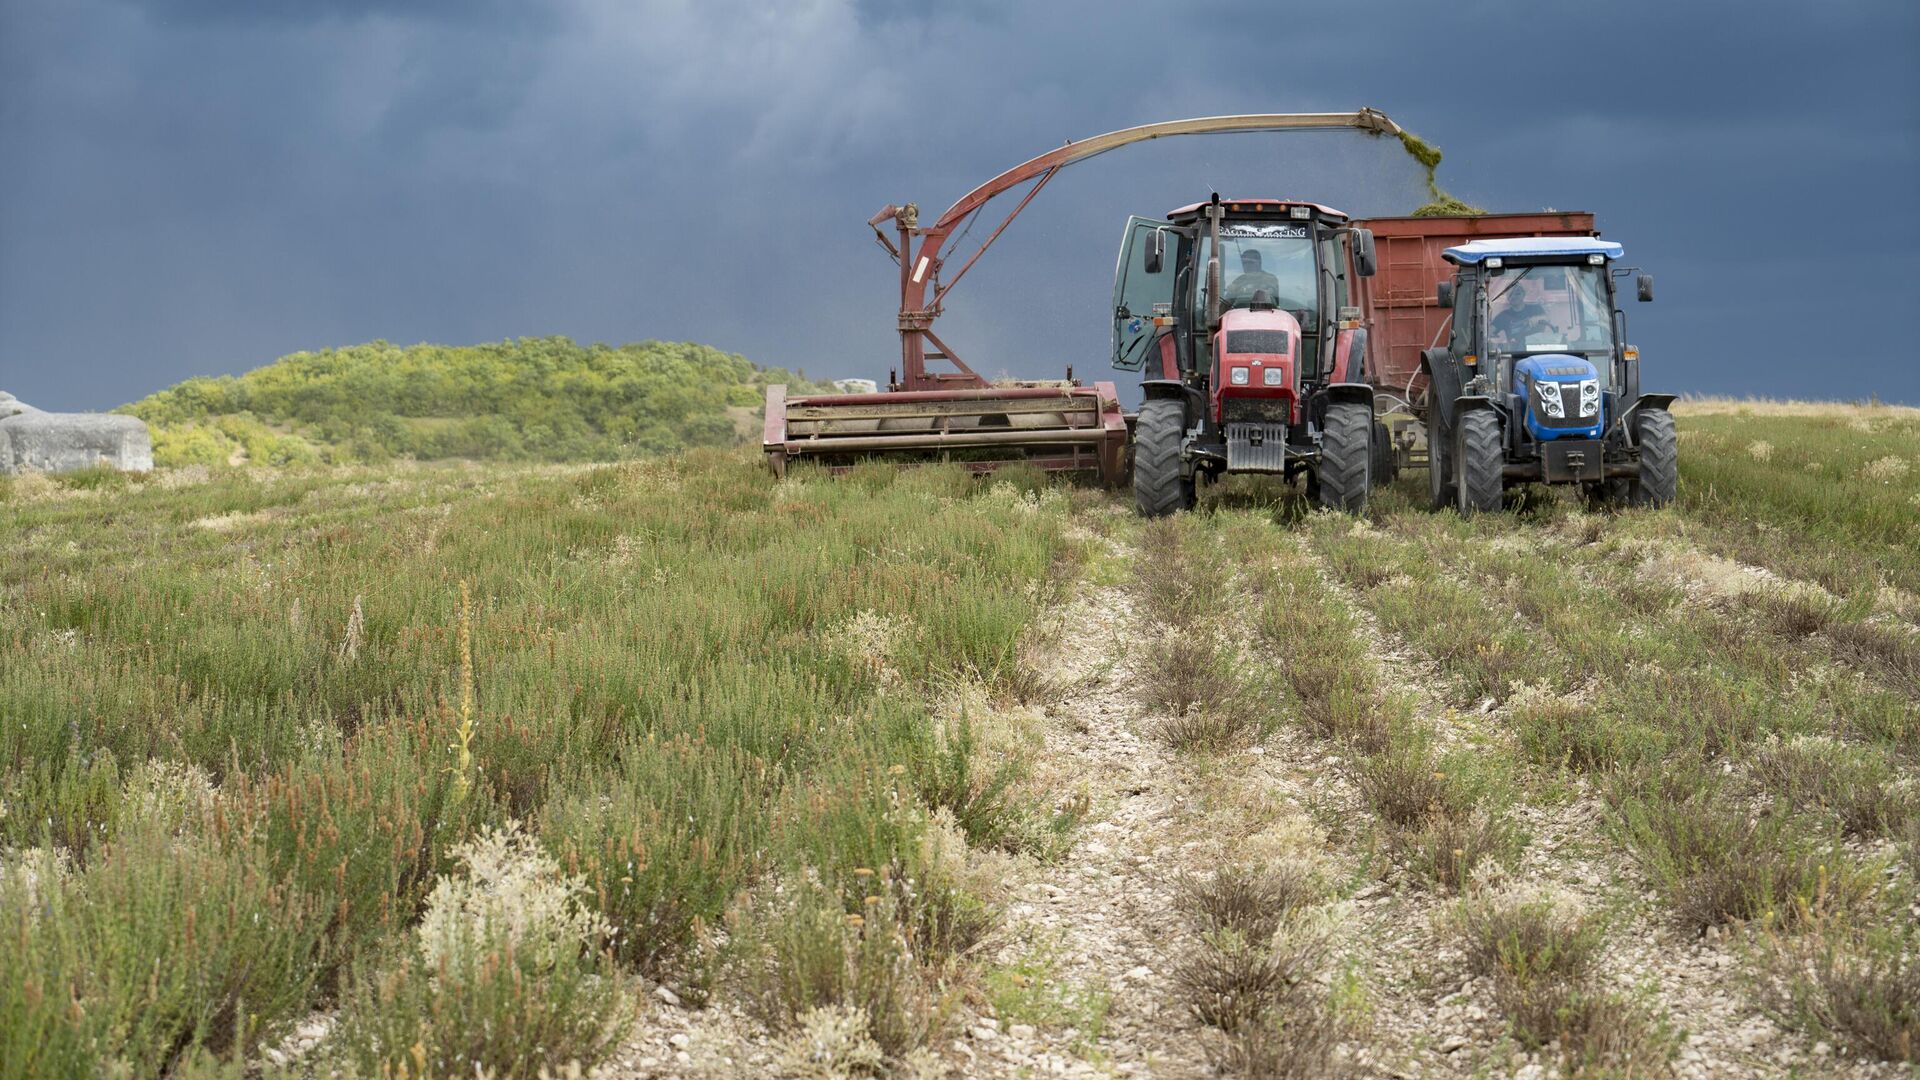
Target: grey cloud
[(194, 188)]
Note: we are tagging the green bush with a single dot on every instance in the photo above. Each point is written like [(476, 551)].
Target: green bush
[(664, 840), (163, 946)]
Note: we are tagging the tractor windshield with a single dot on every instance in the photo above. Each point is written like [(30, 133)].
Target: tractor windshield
[(1275, 258), (1559, 309)]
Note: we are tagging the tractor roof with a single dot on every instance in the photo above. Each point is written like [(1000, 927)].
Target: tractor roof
[(1259, 206), (1523, 246)]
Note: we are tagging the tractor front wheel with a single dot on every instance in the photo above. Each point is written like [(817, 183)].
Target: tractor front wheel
[(1346, 457), (1159, 487), (1480, 457), (1439, 464), (1659, 458)]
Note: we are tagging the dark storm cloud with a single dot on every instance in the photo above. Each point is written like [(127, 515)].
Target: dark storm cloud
[(197, 186)]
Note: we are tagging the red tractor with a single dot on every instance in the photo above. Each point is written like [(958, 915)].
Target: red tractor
[(1256, 370)]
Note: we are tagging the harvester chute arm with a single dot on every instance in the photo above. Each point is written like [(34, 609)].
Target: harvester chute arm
[(920, 262), (1044, 166)]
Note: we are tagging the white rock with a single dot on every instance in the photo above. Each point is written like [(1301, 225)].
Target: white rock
[(1021, 1031), (667, 996), (679, 1040)]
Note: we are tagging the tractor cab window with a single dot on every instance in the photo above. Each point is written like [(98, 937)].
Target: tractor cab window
[(1274, 258), (1260, 257), (1550, 309)]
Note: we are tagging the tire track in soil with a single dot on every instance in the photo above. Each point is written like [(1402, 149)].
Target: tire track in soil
[(1107, 909)]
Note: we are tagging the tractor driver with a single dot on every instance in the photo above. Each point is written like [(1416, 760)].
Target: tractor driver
[(1519, 315), (1250, 280)]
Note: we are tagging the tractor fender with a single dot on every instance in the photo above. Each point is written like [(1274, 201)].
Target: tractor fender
[(1662, 402), (1358, 393), (1152, 389), (1444, 382), (1470, 402), (1350, 355), (1350, 391)]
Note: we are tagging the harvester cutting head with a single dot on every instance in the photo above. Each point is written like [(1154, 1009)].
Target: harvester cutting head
[(1057, 426)]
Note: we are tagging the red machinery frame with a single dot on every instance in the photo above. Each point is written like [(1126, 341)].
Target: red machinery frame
[(1059, 425)]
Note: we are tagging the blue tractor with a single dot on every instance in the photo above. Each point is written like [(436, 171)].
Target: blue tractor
[(1536, 385)]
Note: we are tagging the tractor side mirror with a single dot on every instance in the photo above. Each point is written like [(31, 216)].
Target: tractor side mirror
[(1444, 294), (1645, 282), (1363, 260), (1156, 251)]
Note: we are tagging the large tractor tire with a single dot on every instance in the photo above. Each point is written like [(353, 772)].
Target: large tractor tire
[(1346, 457), (1439, 463), (1479, 458), (1159, 488), (1659, 458)]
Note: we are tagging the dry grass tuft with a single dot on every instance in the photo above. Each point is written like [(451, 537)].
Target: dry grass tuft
[(1856, 783), (1859, 985), (1253, 970), (1195, 682), (1542, 953), (1251, 901)]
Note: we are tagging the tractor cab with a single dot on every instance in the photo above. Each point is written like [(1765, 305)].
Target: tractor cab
[(1239, 314), (1282, 255), (1535, 383)]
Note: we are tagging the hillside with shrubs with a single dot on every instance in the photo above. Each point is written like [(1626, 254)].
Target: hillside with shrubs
[(530, 399)]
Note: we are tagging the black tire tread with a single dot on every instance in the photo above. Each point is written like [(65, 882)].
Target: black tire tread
[(1659, 458), (1158, 487), (1482, 460), (1346, 457)]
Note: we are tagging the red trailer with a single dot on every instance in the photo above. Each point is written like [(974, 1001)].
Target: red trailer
[(1400, 309)]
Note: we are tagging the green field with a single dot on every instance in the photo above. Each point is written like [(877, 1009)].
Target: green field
[(453, 766)]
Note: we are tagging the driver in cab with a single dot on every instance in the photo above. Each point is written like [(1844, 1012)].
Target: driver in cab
[(1250, 280)]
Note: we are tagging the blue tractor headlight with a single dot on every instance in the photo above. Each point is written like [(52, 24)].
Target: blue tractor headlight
[(1549, 396), (1273, 376), (1590, 397), (1239, 376)]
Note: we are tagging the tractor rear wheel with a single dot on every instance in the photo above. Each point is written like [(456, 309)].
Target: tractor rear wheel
[(1659, 458), (1480, 456), (1159, 488), (1346, 457), (1439, 464)]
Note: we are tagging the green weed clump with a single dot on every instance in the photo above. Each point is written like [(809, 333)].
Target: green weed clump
[(165, 947), (1720, 861), (664, 841), (1030, 989)]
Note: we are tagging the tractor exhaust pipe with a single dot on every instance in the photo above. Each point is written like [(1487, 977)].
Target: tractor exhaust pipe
[(1214, 213)]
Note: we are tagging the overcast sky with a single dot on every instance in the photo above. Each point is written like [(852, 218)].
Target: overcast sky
[(198, 186)]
